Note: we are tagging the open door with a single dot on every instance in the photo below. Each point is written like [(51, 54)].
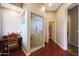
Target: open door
[(72, 30)]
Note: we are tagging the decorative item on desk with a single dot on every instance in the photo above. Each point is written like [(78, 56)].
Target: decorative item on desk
[(19, 32)]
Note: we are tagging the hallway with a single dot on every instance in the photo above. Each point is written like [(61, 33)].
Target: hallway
[(51, 49), (36, 28)]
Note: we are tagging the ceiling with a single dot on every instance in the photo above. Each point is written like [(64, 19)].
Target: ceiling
[(53, 7), (18, 4)]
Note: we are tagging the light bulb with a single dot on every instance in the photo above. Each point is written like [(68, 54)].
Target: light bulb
[(50, 4)]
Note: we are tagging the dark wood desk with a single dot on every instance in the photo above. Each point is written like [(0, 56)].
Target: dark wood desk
[(4, 45)]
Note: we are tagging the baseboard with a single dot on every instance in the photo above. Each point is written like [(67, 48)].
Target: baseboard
[(28, 54), (47, 41), (34, 49), (73, 44), (24, 51), (59, 45), (43, 45)]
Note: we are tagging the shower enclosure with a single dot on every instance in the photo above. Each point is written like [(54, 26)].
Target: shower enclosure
[(36, 31)]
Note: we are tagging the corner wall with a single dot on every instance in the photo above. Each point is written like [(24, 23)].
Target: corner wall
[(61, 27), (38, 9), (50, 15)]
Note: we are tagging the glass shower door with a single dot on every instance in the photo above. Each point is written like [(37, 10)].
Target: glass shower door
[(36, 31)]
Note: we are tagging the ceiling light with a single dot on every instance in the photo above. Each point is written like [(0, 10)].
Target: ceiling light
[(50, 4)]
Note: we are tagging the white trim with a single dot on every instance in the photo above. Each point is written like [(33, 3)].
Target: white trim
[(24, 51), (69, 18), (66, 8), (28, 54), (66, 18), (59, 45), (47, 41), (42, 43), (34, 49), (51, 20), (47, 33), (73, 44)]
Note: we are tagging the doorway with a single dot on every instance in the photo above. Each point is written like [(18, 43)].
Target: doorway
[(52, 30), (72, 30)]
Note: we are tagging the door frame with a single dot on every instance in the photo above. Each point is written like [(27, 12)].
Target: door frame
[(68, 37), (36, 48), (48, 30), (70, 5)]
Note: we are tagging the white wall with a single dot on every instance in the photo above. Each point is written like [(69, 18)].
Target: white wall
[(35, 8), (50, 16), (10, 21), (23, 29), (59, 17), (61, 27)]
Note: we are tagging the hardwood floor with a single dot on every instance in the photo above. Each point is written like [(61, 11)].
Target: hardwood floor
[(14, 52), (51, 49), (73, 49), (17, 53)]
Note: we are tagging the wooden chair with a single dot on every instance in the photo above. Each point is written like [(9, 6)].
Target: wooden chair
[(12, 41), (4, 45)]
